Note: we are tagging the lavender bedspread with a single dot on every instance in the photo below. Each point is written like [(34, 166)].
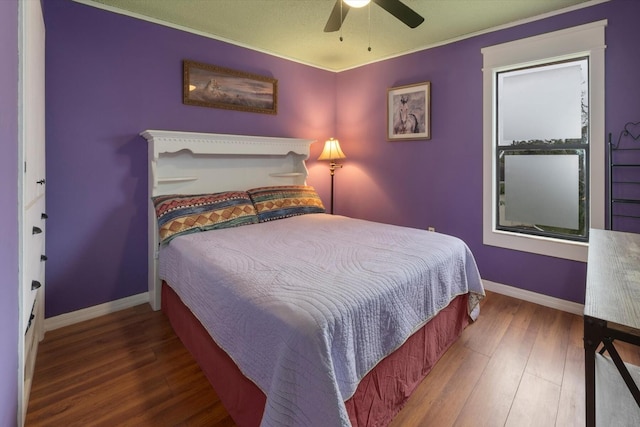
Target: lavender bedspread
[(307, 305)]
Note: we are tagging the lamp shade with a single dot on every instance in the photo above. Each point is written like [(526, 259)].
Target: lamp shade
[(332, 150), (357, 3)]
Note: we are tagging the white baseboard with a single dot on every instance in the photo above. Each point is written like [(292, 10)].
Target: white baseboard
[(88, 313), (547, 301), (96, 311)]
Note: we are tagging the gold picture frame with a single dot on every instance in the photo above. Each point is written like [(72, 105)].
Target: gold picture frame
[(218, 87), (409, 112)]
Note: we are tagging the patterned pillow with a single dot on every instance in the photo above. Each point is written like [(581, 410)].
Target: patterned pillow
[(180, 214), (285, 201)]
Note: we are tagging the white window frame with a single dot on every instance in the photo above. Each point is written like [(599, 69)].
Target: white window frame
[(584, 40)]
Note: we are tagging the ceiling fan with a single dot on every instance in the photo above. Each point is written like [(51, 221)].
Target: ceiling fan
[(395, 7)]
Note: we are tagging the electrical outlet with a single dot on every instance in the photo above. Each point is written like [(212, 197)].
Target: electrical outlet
[(431, 229)]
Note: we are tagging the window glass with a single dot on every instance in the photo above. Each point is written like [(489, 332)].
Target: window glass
[(543, 193), (543, 103), (541, 149)]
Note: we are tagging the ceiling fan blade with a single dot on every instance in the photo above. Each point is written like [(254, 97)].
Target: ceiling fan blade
[(401, 11), (337, 17)]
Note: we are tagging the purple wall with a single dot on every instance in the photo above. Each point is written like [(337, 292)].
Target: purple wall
[(439, 182), (9, 212), (108, 78)]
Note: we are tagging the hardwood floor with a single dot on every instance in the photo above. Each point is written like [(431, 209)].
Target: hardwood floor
[(520, 364)]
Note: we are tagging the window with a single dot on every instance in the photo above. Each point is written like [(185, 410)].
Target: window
[(543, 160), (542, 147)]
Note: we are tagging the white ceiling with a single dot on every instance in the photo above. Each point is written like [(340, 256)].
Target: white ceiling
[(293, 29)]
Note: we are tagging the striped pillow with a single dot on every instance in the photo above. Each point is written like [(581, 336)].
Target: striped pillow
[(285, 201), (180, 214)]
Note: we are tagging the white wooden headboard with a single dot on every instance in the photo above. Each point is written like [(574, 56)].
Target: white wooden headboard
[(196, 163)]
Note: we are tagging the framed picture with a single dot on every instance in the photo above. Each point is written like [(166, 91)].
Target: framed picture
[(211, 86), (409, 112)]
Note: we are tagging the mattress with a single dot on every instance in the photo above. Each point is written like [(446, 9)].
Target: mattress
[(307, 306)]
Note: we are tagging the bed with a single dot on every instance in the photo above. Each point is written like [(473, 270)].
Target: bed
[(297, 317)]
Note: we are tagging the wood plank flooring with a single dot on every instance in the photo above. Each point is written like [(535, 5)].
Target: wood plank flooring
[(520, 364)]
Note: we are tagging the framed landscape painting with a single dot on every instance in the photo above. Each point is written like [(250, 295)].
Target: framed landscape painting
[(212, 86), (409, 112)]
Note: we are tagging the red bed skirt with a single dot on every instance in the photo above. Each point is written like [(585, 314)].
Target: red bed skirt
[(379, 396)]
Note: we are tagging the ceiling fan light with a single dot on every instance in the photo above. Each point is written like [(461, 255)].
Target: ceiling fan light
[(357, 3)]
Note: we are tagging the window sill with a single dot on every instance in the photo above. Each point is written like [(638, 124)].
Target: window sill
[(576, 251)]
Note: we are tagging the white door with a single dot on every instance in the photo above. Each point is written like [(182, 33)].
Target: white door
[(32, 184)]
